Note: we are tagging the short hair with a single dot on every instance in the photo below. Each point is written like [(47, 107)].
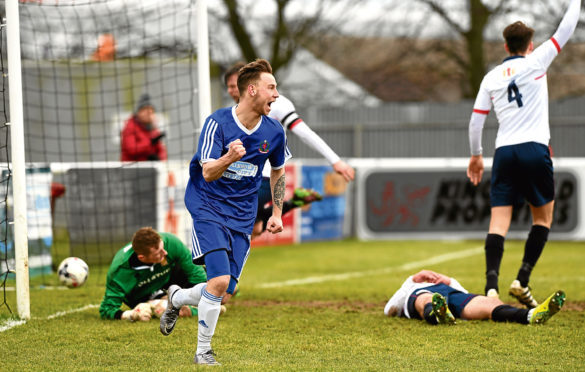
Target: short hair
[(144, 239), (233, 69), (518, 37), (250, 73)]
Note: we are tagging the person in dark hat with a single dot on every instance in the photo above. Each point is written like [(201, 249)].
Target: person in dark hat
[(141, 139)]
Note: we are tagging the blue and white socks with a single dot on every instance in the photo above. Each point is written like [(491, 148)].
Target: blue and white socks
[(209, 309), (188, 296)]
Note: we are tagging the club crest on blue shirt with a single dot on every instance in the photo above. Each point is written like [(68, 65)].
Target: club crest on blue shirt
[(264, 147)]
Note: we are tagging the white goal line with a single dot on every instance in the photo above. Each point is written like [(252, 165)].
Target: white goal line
[(15, 323)]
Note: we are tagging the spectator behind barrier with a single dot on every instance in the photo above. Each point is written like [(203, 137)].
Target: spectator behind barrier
[(141, 139)]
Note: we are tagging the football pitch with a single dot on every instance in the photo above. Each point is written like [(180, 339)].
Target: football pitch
[(316, 306)]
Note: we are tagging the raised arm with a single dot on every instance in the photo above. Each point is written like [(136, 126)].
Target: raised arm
[(568, 24), (284, 111), (308, 136), (549, 50)]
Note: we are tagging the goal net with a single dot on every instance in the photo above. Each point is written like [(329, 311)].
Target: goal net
[(99, 165)]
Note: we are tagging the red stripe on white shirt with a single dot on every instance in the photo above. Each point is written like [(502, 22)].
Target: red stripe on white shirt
[(556, 44), (292, 125), (483, 112), (541, 76)]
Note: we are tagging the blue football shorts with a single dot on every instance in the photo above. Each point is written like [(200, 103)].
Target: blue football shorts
[(456, 299), (224, 251), (264, 194), (522, 172)]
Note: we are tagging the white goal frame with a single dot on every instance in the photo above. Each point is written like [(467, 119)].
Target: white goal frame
[(17, 134), (18, 161)]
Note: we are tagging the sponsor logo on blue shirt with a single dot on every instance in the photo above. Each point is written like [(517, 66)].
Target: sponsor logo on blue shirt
[(240, 169)]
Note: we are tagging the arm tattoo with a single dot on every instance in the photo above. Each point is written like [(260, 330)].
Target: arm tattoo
[(279, 192)]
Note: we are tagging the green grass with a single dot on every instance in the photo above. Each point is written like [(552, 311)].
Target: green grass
[(336, 324)]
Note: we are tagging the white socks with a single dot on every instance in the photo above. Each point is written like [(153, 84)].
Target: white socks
[(209, 309), (530, 312), (208, 306), (188, 296)]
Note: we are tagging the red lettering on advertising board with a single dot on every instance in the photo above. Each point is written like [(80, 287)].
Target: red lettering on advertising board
[(401, 208)]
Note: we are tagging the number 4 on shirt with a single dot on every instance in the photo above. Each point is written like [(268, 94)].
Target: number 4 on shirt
[(514, 94)]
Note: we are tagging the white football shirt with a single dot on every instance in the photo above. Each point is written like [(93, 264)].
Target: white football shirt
[(397, 305), (518, 92)]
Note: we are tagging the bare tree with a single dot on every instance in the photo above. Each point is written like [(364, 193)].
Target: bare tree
[(546, 15), (283, 34), (411, 57), (479, 16)]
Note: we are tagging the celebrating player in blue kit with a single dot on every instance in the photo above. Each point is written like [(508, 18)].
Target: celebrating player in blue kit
[(522, 166), (285, 112), (222, 194)]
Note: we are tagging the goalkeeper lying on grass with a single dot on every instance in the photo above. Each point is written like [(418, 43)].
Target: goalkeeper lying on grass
[(141, 272), (439, 299)]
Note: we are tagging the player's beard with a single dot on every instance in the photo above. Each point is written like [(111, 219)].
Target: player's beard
[(261, 107)]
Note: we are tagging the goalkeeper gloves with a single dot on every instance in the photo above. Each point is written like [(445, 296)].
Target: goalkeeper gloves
[(142, 312)]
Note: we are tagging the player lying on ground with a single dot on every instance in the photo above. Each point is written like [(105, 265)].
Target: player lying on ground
[(142, 270), (439, 299)]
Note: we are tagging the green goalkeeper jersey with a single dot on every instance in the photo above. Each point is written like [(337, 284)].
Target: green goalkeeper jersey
[(131, 281)]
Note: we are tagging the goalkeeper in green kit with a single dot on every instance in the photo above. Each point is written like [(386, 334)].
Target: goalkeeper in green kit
[(141, 272)]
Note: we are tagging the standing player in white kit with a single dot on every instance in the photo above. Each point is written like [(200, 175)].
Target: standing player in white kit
[(522, 166)]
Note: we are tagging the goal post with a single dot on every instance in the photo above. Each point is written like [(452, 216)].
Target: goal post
[(203, 63), (18, 161), (79, 73)]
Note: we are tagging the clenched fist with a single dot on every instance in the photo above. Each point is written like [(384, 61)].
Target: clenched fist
[(274, 225), (236, 150)]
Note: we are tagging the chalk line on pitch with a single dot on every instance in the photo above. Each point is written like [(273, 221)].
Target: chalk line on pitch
[(359, 274), (15, 323)]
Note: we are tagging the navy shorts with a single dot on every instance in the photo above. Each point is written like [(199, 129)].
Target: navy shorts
[(264, 196), (522, 172), (456, 299), (209, 236)]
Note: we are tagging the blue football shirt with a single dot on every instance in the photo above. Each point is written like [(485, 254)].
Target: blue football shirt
[(232, 199)]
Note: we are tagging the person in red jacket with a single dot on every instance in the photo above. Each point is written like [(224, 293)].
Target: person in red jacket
[(141, 139)]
